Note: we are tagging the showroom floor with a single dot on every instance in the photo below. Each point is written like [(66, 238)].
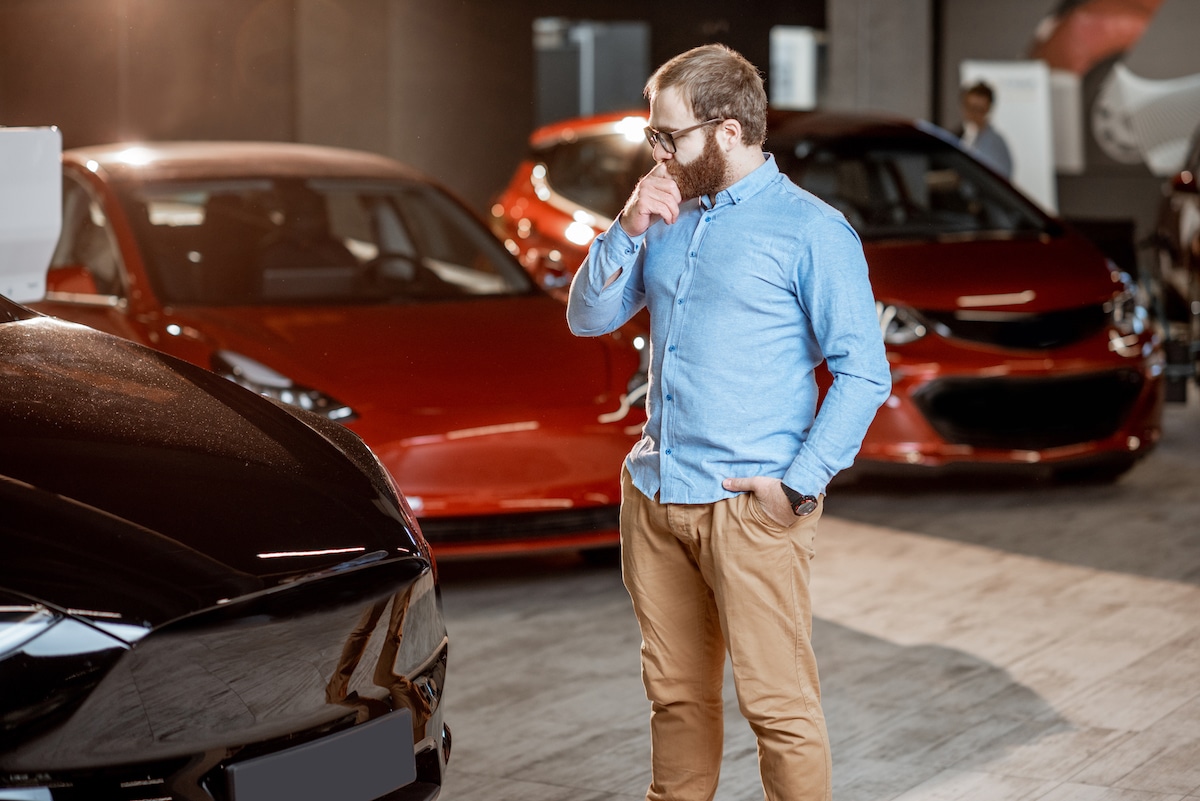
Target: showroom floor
[(976, 642)]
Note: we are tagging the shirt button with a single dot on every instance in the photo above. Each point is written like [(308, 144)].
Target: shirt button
[(708, 219), (671, 348), (670, 397), (681, 301), (667, 451)]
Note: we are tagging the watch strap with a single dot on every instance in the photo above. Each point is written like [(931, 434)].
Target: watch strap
[(801, 504)]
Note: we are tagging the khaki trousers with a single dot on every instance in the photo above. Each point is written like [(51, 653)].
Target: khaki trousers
[(708, 577)]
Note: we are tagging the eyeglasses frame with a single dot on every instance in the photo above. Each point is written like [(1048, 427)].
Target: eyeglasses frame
[(656, 137)]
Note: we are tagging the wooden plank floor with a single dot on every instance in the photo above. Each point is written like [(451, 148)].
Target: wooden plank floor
[(1010, 642)]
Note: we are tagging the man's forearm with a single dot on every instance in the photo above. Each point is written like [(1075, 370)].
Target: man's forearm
[(601, 298)]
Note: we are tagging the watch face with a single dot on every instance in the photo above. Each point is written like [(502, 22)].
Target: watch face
[(806, 507)]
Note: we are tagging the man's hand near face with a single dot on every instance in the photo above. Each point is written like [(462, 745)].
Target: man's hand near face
[(655, 197)]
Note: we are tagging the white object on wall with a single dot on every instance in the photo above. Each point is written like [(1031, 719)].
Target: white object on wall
[(1066, 108), (794, 67), (1021, 114), (30, 209)]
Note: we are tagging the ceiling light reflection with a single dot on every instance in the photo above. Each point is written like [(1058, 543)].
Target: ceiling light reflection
[(136, 155), (319, 552), (632, 128)]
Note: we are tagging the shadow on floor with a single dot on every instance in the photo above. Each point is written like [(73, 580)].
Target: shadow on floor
[(547, 701)]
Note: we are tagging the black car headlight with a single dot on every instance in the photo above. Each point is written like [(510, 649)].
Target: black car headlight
[(49, 663), (259, 378), (900, 325)]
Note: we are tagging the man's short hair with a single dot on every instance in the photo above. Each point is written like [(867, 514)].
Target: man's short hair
[(717, 82), (983, 89)]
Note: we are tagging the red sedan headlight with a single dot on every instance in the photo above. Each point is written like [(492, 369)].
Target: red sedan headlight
[(900, 325), (1129, 308), (259, 378)]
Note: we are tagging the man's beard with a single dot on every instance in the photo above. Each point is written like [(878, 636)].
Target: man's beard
[(703, 175)]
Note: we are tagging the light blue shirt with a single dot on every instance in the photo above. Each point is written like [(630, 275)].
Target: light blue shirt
[(747, 295)]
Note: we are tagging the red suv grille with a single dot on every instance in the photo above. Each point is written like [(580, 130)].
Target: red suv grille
[(1029, 414)]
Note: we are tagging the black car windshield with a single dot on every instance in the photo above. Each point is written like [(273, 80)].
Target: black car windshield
[(275, 241), (909, 188)]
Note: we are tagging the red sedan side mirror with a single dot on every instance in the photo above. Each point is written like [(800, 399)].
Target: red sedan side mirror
[(71, 279)]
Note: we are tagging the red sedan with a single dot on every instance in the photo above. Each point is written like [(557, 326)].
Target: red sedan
[(344, 284), (1013, 341)]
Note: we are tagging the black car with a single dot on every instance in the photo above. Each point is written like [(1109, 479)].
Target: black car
[(203, 594)]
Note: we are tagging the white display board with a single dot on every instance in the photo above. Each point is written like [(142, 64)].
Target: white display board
[(794, 66), (30, 209), (1021, 114)]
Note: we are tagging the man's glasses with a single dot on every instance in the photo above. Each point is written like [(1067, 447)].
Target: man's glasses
[(667, 140)]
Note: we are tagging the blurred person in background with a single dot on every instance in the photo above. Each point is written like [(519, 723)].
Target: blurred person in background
[(977, 135)]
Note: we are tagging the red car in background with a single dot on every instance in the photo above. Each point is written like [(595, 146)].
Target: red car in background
[(1013, 341), (346, 285)]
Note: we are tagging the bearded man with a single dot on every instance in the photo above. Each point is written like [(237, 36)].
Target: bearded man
[(751, 283)]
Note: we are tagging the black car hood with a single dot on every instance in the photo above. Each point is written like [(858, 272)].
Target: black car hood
[(188, 489)]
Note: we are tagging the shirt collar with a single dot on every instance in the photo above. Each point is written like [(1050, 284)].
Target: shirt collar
[(746, 188)]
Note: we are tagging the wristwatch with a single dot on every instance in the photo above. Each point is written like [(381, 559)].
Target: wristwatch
[(802, 505)]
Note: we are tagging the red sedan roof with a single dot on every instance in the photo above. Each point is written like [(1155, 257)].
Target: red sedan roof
[(827, 124), (149, 161)]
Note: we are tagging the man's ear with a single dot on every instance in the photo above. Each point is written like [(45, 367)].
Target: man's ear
[(729, 134)]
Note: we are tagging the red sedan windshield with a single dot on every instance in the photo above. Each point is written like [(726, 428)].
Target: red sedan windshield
[(277, 241)]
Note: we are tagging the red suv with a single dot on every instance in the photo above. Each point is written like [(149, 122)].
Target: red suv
[(1013, 340)]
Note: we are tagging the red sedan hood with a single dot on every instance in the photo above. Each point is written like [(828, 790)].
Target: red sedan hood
[(476, 407), (420, 357), (1028, 275)]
